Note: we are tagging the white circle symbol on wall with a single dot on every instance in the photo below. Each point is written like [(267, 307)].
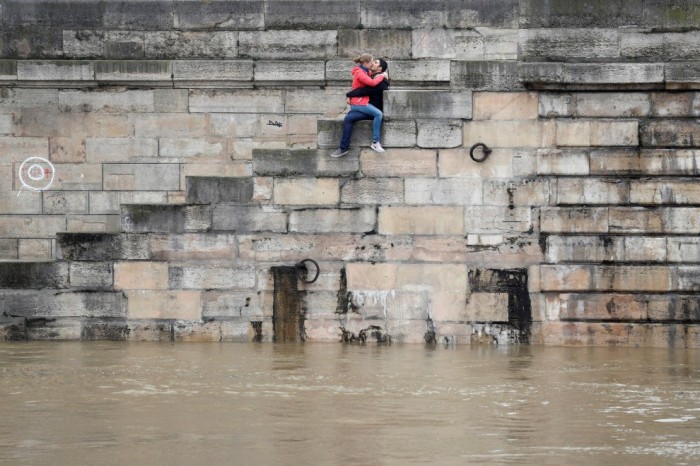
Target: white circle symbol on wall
[(36, 173)]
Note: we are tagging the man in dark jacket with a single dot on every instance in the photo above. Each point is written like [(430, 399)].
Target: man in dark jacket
[(376, 98)]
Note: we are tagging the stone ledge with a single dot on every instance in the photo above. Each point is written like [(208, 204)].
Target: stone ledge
[(592, 75)]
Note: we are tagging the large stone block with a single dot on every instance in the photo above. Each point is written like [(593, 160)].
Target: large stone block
[(34, 275), (683, 249), (554, 44), (565, 277), (597, 133), (452, 191), (532, 192), (248, 219), (66, 14), (419, 72), (211, 277), (428, 104), (378, 191), (595, 104), (30, 42), (64, 202), (137, 71), (394, 43), (141, 177), (192, 246), (446, 13), (156, 304), (230, 304), (351, 220), (485, 75), (368, 277), (165, 218), (171, 100), (674, 104), (439, 133), (682, 75), (563, 162), (34, 250), (91, 275), (661, 47), (592, 191), (290, 44), (448, 43), (399, 163), (215, 190), (31, 226), (101, 150), (102, 246), (583, 249), (20, 202), (191, 44), (169, 125), (18, 149), (421, 220), (109, 202), (51, 304), (9, 249), (589, 13), (35, 122), (574, 220), (303, 162), (12, 100), (664, 192), (632, 278), (140, 275), (299, 72), (591, 75), (314, 14), (505, 105), (670, 133), (510, 134), (236, 71), (231, 15), (237, 101), (311, 191), (654, 220), (500, 220), (130, 15)]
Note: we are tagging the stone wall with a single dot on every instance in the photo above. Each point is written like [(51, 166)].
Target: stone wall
[(159, 158)]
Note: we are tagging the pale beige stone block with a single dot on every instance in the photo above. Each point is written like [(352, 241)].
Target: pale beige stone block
[(574, 220), (664, 192), (365, 276), (487, 307), (67, 150), (448, 306), (683, 249), (185, 147), (505, 105), (592, 191), (306, 191), (42, 123), (443, 191), (140, 275), (532, 192), (456, 163), (573, 133), (399, 163), (262, 188), (169, 125), (614, 133), (20, 202), (193, 246), (645, 249), (35, 249), (18, 149), (565, 277), (447, 278), (149, 304), (92, 223), (497, 219), (233, 170), (519, 133), (562, 162), (31, 226), (99, 150), (421, 220), (632, 278)]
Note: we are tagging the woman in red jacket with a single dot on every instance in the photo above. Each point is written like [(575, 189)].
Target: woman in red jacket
[(360, 78)]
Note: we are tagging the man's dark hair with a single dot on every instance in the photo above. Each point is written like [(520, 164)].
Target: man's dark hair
[(383, 64)]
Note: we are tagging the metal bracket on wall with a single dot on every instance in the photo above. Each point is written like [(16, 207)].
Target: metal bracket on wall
[(302, 265), (487, 151)]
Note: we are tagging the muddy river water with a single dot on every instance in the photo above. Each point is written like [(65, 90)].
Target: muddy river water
[(160, 403)]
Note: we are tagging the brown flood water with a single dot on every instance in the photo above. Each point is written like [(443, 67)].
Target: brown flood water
[(264, 404)]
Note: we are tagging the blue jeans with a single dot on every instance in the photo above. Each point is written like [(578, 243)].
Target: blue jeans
[(350, 119), (374, 112)]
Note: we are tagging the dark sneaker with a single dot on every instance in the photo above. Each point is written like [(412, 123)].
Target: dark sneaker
[(339, 153)]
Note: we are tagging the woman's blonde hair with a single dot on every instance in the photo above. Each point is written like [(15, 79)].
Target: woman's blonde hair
[(364, 58)]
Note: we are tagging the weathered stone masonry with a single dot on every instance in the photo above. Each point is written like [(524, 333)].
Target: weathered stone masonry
[(190, 142)]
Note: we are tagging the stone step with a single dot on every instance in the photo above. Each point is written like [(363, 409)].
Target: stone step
[(147, 218), (304, 162), (214, 190)]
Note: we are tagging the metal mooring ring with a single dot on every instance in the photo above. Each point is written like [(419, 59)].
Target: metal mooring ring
[(302, 265), (487, 151)]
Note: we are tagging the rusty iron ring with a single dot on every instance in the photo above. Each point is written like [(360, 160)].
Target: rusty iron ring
[(487, 151), (302, 265)]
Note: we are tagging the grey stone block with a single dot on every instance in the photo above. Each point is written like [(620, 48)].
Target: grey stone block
[(591, 75), (486, 75), (92, 275), (50, 304), (237, 101), (105, 330), (231, 15), (661, 47), (213, 70), (352, 220), (191, 44), (285, 162), (63, 202), (102, 246), (670, 133), (304, 45), (9, 248), (393, 43), (460, 14), (165, 218), (595, 104), (58, 14), (218, 304), (584, 13), (31, 42), (312, 14), (55, 71), (439, 133), (214, 190), (136, 70), (340, 70), (377, 191), (568, 44), (171, 100), (394, 133), (33, 275), (428, 104), (120, 101), (54, 329), (25, 202), (419, 72), (8, 71), (141, 176), (83, 44), (245, 219), (122, 45), (211, 277), (13, 328), (14, 99), (299, 72), (684, 75), (138, 15), (671, 14)]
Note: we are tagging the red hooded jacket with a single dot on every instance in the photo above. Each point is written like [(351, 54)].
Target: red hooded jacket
[(361, 78)]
